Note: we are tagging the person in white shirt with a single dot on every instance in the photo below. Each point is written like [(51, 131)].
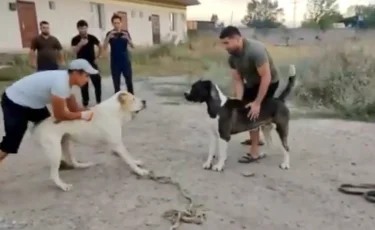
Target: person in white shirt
[(27, 99)]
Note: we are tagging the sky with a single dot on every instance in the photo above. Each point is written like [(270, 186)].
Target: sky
[(224, 9)]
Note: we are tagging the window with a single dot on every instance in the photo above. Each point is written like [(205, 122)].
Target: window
[(140, 14), (173, 21), (133, 14), (51, 5), (97, 9)]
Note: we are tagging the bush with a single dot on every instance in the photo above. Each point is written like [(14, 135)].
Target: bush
[(341, 78)]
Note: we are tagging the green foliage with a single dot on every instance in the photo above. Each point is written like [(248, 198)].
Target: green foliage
[(214, 18), (368, 14), (263, 14), (321, 14)]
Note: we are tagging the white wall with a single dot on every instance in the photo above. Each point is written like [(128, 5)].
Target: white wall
[(140, 28), (67, 12), (10, 31)]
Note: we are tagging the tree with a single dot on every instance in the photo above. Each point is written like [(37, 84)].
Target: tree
[(321, 14), (367, 13), (263, 14), (214, 18)]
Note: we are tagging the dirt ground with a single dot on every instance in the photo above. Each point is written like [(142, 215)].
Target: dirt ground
[(170, 138)]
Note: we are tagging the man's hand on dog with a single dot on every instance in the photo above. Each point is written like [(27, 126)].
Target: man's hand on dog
[(254, 110), (86, 115)]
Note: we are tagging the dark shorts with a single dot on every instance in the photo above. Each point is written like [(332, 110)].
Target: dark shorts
[(47, 66), (16, 118), (250, 94)]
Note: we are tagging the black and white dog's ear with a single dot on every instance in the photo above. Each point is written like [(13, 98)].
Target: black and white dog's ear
[(207, 85)]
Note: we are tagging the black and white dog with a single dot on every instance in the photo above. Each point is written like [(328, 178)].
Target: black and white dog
[(229, 116)]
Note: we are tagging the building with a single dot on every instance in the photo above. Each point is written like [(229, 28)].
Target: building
[(201, 25), (148, 21)]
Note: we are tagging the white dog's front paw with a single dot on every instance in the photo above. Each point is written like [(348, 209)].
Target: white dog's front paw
[(142, 172), (65, 187), (284, 165), (218, 167), (83, 165), (207, 165), (138, 162)]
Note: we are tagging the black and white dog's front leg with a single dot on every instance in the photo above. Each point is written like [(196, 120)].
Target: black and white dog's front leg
[(213, 146), (222, 148), (222, 137)]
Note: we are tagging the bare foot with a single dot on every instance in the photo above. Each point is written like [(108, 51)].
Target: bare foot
[(3, 156)]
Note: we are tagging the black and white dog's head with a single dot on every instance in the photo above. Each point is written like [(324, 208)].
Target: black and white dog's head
[(200, 92), (205, 91)]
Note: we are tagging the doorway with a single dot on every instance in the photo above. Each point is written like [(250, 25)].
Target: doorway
[(124, 19), (28, 22), (155, 23)]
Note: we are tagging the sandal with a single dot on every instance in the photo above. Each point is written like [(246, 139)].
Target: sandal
[(246, 159), (249, 142)]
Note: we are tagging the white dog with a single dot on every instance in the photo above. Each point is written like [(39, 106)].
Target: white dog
[(106, 126)]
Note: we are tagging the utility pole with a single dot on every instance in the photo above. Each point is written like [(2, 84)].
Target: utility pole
[(231, 18), (294, 13)]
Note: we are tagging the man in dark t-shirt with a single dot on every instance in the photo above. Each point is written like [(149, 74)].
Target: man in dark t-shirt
[(255, 78), (83, 46), (119, 40), (48, 48)]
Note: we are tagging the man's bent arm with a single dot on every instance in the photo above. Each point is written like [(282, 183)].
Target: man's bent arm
[(76, 48), (75, 44), (59, 48), (33, 48), (32, 57), (265, 81), (60, 111), (72, 104), (106, 41), (130, 40), (100, 47), (260, 58), (100, 51)]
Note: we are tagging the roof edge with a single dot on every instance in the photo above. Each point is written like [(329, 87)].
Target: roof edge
[(190, 2)]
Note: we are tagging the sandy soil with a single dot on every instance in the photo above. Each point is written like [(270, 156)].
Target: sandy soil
[(170, 138)]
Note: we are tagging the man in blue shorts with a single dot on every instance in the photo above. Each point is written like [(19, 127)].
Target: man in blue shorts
[(27, 99)]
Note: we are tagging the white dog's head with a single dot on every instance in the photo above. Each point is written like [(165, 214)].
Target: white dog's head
[(131, 104)]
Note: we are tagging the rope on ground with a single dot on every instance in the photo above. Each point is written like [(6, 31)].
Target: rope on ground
[(192, 214), (365, 190)]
